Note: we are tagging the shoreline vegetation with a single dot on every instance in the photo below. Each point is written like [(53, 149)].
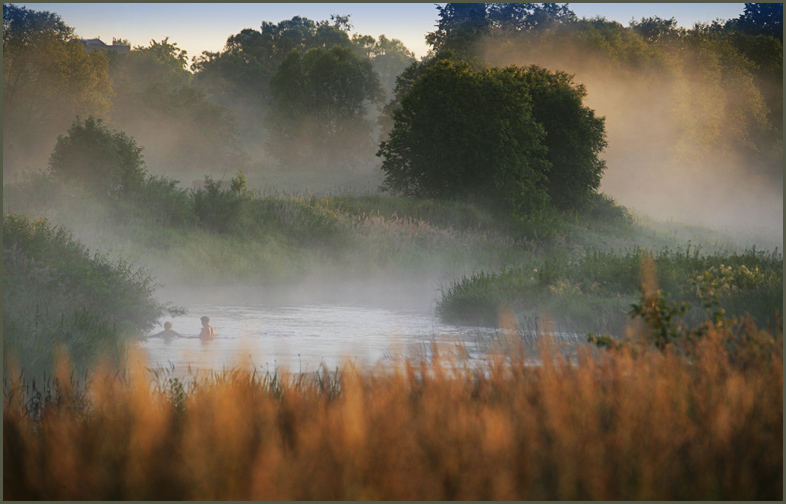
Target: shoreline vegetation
[(581, 272), (627, 423)]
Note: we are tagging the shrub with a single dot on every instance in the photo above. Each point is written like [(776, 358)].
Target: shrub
[(56, 293), (217, 209), (107, 161)]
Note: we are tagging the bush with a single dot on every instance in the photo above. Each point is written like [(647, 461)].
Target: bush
[(218, 209), (56, 293), (107, 161), (162, 201)]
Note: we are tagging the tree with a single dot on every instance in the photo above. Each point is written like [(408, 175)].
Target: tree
[(389, 57), (523, 17), (158, 63), (460, 26), (48, 78), (517, 161), (109, 162), (238, 77), (574, 139), (762, 19), (320, 100), (436, 148)]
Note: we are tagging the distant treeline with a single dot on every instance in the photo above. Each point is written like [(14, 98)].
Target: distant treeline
[(206, 117), (291, 92)]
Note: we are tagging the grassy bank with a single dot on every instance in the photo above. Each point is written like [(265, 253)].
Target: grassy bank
[(272, 238), (633, 423), (57, 295), (595, 292)]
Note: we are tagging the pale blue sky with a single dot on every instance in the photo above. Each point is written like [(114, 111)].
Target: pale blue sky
[(197, 27)]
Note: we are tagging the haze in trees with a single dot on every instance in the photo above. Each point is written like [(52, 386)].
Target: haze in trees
[(47, 80), (694, 116), (319, 108)]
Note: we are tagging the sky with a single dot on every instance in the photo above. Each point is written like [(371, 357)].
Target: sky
[(197, 27)]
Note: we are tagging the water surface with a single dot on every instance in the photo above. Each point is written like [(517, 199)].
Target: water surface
[(304, 337)]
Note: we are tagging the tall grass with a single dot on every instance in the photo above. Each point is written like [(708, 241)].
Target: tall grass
[(629, 424), (595, 290)]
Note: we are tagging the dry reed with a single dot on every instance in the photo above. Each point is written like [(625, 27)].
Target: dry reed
[(628, 424)]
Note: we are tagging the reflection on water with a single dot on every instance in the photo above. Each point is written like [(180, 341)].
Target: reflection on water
[(302, 338)]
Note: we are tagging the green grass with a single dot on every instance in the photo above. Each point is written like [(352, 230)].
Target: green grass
[(58, 295), (594, 293)]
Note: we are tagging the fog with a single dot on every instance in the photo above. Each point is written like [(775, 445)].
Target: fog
[(666, 155)]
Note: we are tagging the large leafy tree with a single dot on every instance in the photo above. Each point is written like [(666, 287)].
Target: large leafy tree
[(574, 139), (436, 148), (319, 107), (537, 142), (48, 78)]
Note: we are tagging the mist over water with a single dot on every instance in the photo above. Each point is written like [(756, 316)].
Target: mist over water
[(303, 337), (659, 125)]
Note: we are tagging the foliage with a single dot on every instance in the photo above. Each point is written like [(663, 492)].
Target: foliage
[(761, 19), (389, 57), (462, 25), (744, 283), (538, 143), (659, 315), (218, 210), (238, 76), (48, 78), (159, 63), (320, 100), (56, 293), (181, 128), (574, 137), (107, 161), (159, 200)]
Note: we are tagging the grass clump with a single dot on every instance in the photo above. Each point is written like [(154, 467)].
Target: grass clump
[(598, 288)]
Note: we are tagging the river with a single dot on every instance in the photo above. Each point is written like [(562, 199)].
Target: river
[(303, 338)]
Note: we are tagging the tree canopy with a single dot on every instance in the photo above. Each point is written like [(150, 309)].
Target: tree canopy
[(157, 103), (537, 143), (319, 103), (48, 78), (110, 162)]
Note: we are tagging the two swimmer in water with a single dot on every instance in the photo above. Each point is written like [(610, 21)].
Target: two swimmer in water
[(206, 334)]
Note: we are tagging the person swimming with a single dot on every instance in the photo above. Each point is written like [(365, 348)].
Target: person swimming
[(167, 333), (207, 330)]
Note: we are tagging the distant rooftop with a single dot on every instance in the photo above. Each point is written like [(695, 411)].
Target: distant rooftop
[(96, 43)]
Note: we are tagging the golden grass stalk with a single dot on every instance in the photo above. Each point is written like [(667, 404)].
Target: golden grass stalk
[(627, 424)]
